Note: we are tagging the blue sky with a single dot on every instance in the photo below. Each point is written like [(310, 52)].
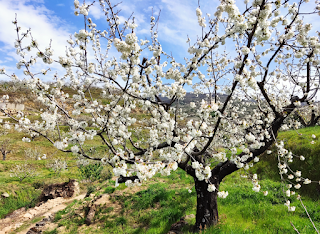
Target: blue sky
[(55, 19)]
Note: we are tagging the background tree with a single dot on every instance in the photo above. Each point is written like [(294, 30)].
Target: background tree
[(308, 116), (5, 149), (226, 133)]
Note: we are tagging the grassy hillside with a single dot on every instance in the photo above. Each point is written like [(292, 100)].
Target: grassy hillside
[(162, 201), (299, 142), (156, 206)]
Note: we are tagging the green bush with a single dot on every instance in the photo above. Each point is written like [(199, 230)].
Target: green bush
[(109, 189), (90, 189), (38, 184), (106, 174), (91, 172)]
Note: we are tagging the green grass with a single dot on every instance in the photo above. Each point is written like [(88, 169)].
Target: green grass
[(245, 211), (24, 196), (55, 231), (155, 208)]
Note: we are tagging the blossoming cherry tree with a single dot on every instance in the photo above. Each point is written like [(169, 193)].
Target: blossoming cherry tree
[(249, 94)]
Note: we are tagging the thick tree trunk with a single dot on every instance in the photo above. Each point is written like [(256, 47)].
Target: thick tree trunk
[(207, 206), (314, 119)]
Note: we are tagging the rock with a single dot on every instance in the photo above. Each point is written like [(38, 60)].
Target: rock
[(65, 190), (33, 212), (6, 195), (28, 216), (91, 214), (49, 218), (102, 199), (39, 226), (35, 230), (16, 213), (176, 227), (41, 223), (18, 225), (6, 229), (190, 216)]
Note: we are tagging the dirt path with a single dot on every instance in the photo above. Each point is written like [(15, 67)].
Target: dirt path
[(22, 216)]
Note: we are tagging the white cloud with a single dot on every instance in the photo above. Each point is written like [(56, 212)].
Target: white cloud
[(44, 24), (96, 12)]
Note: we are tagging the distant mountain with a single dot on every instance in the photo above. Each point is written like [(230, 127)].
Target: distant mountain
[(191, 97)]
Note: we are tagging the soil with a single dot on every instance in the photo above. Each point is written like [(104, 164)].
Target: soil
[(22, 216), (53, 198), (46, 209)]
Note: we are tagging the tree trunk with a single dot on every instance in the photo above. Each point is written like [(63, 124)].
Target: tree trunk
[(207, 206), (4, 156)]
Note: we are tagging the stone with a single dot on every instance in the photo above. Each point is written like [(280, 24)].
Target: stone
[(28, 216), (5, 194), (6, 229), (33, 212), (35, 230), (90, 215), (190, 216), (41, 223), (16, 213), (176, 227), (18, 225)]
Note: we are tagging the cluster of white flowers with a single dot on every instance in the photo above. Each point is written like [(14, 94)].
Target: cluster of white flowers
[(82, 35), (201, 20), (61, 145), (256, 185), (26, 139), (290, 208), (50, 120), (128, 46), (211, 188), (57, 165), (149, 170), (130, 183), (202, 173), (120, 169), (223, 194), (65, 62)]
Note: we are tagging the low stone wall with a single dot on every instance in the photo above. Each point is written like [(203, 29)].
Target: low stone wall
[(12, 106)]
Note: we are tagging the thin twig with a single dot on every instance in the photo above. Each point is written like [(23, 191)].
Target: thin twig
[(294, 227), (308, 215)]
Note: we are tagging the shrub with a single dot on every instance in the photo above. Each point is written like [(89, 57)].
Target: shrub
[(91, 172)]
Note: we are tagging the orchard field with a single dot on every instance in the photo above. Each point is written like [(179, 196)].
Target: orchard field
[(154, 207)]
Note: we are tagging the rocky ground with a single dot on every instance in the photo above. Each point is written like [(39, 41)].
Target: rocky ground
[(22, 216), (56, 197), (53, 198)]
